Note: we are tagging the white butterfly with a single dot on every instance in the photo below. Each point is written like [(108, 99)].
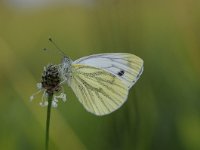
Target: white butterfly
[(101, 82)]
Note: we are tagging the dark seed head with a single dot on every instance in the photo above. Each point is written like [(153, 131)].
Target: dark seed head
[(51, 79)]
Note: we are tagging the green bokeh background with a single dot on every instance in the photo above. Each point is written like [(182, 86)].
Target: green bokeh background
[(163, 108)]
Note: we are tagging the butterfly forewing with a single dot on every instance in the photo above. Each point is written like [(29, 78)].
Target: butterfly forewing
[(127, 67), (100, 91)]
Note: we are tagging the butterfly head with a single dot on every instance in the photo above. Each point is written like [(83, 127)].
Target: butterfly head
[(66, 62)]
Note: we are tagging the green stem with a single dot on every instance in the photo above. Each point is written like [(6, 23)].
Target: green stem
[(50, 98)]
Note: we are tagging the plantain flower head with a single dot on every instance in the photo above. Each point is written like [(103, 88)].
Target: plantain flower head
[(50, 84)]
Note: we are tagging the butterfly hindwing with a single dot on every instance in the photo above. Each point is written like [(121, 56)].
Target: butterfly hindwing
[(127, 67), (100, 91)]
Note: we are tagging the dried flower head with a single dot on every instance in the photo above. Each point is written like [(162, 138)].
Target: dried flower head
[(50, 84), (51, 79)]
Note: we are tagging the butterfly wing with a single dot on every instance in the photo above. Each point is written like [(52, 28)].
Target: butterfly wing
[(100, 91), (127, 67)]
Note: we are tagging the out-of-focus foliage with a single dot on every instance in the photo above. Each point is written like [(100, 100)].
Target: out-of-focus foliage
[(163, 108)]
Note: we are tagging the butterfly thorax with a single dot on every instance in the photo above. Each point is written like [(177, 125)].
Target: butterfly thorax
[(65, 68)]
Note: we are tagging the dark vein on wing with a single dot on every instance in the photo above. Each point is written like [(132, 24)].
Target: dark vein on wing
[(101, 80), (93, 77), (109, 87), (100, 90), (101, 99), (88, 86), (83, 92)]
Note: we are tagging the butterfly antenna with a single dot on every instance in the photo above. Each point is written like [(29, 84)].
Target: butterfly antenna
[(56, 46)]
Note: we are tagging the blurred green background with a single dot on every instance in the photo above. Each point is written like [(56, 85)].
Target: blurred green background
[(163, 108)]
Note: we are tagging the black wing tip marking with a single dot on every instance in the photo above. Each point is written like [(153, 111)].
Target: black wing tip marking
[(120, 73)]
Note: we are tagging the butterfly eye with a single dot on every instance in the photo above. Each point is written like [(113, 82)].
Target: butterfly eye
[(121, 73)]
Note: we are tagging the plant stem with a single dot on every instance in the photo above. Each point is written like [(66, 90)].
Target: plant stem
[(50, 98)]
